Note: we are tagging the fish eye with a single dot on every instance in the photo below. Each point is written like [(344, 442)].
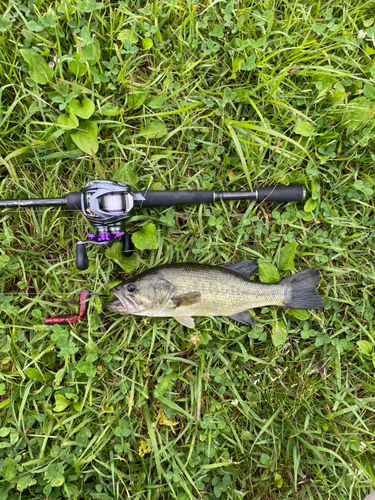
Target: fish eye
[(131, 288)]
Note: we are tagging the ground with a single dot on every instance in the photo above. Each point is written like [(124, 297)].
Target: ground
[(188, 95)]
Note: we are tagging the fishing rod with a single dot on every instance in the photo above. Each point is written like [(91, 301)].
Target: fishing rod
[(107, 203)]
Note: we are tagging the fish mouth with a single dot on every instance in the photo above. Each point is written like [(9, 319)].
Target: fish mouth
[(115, 305), (124, 304)]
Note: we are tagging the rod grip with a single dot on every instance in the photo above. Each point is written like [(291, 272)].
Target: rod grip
[(176, 198), (293, 192)]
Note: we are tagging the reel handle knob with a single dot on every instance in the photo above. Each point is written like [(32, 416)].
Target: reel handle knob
[(82, 261), (128, 246)]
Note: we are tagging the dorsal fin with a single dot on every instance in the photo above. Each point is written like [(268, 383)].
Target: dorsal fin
[(246, 267)]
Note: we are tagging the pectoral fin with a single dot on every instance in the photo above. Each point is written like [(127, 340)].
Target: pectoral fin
[(244, 317), (185, 320), (187, 299)]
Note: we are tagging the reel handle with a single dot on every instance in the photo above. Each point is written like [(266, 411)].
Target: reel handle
[(82, 260)]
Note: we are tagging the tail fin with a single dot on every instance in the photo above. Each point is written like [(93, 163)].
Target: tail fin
[(302, 287)]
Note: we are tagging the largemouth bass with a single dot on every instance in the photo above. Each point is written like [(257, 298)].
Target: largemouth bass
[(185, 290)]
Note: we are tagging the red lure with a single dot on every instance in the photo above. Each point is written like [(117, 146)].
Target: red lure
[(84, 295)]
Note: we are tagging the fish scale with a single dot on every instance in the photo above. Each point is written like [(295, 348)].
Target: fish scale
[(186, 290)]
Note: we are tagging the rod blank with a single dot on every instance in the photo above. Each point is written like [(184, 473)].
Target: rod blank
[(35, 202)]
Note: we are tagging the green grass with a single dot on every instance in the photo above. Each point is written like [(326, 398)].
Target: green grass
[(236, 93)]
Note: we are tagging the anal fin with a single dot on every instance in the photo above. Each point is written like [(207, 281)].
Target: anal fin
[(244, 317), (186, 321)]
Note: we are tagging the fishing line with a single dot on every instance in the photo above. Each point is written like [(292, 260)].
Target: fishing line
[(16, 294)]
